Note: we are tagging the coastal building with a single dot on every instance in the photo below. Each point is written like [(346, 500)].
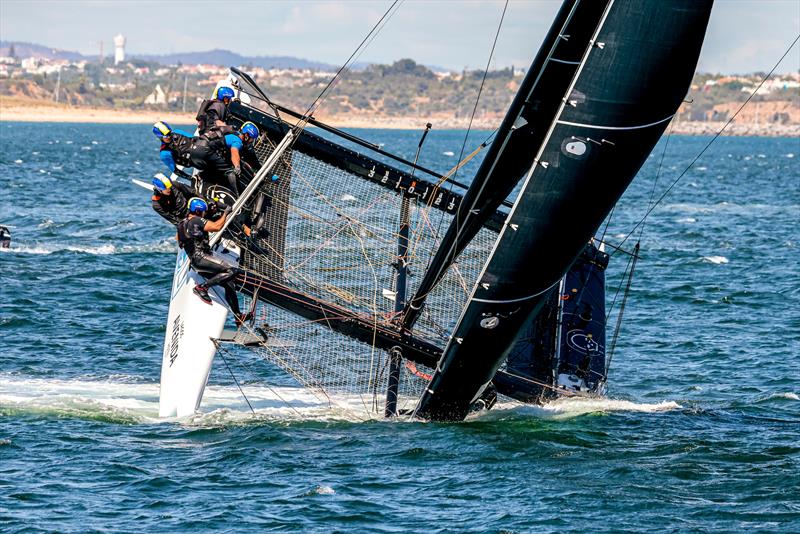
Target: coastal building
[(119, 49), (158, 96)]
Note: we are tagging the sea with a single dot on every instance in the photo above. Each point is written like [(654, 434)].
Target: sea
[(699, 432)]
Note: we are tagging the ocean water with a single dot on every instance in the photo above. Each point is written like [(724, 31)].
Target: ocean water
[(699, 432)]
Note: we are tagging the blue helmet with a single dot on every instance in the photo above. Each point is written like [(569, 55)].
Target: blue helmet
[(225, 92), (249, 129), (162, 183), (162, 129), (197, 205)]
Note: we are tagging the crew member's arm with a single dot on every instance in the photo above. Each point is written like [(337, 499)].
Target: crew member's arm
[(235, 145), (216, 226), (169, 161), (160, 209)]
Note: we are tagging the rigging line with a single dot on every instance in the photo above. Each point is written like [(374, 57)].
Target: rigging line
[(658, 175), (472, 118), (222, 354), (483, 82), (622, 308), (619, 288), (565, 392), (700, 154), (372, 364), (346, 66)]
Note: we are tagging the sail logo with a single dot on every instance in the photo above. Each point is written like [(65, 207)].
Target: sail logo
[(583, 342), (177, 334)]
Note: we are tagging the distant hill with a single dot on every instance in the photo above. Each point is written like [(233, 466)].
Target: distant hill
[(212, 57), (227, 58), (23, 50)]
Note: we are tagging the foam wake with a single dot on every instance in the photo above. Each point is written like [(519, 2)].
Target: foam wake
[(123, 401), (566, 408), (167, 245)]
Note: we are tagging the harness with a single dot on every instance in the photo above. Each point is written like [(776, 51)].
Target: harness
[(216, 137)]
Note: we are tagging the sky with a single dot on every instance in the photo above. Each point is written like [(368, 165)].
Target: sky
[(743, 35)]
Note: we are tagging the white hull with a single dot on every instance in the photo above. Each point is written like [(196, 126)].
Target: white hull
[(189, 348)]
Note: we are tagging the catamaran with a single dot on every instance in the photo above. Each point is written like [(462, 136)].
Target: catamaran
[(380, 284)]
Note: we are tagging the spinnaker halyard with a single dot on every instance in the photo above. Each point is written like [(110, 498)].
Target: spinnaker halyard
[(341, 226)]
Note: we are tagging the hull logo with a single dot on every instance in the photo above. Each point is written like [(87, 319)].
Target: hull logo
[(177, 334)]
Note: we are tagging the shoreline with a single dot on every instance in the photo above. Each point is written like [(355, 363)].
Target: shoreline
[(23, 111)]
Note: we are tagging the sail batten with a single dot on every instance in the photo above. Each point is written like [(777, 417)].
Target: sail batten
[(511, 155), (636, 67)]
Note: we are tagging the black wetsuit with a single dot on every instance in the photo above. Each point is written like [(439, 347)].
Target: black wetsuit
[(209, 113), (194, 240), (173, 207), (206, 154)]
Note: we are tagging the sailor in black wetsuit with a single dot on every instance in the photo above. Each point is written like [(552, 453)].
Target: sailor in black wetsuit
[(171, 199), (214, 113), (193, 238), (206, 154)]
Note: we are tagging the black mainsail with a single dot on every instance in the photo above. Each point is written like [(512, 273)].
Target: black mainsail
[(627, 76)]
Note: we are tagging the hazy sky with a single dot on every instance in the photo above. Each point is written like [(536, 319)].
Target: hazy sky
[(744, 35)]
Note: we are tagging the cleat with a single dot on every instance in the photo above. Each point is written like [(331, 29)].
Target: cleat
[(202, 292)]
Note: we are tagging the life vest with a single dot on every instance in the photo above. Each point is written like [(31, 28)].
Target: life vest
[(204, 123), (216, 136), (179, 146)]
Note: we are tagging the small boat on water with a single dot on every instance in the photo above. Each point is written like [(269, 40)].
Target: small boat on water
[(5, 237), (387, 287)]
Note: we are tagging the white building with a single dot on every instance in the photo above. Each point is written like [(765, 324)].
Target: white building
[(156, 97), (119, 49)]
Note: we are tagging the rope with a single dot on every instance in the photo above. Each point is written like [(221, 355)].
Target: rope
[(622, 308), (700, 154), (222, 355), (357, 52)]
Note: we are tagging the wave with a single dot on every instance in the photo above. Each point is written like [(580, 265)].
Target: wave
[(567, 408), (788, 395), (167, 245), (716, 260)]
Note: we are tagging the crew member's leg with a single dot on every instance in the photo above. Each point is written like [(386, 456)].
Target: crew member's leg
[(222, 273), (213, 166)]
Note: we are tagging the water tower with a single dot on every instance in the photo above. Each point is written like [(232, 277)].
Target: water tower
[(119, 49)]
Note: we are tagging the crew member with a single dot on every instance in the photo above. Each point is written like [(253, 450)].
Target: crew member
[(175, 146), (170, 199), (240, 146), (193, 238), (220, 156), (214, 112)]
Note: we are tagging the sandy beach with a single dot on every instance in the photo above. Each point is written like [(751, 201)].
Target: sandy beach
[(28, 110)]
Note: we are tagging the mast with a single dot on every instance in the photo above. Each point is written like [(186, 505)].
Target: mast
[(630, 72), (401, 287)]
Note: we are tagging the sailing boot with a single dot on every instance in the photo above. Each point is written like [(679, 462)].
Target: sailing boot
[(202, 292)]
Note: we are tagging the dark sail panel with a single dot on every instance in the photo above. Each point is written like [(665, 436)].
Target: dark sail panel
[(632, 77), (521, 132)]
